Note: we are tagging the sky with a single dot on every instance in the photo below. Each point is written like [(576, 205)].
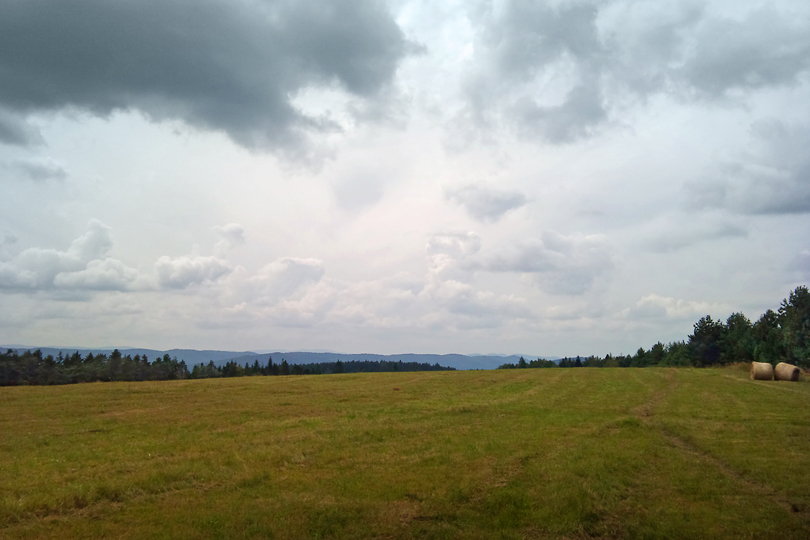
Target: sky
[(544, 178)]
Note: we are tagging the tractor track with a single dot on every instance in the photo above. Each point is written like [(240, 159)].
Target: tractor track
[(646, 413)]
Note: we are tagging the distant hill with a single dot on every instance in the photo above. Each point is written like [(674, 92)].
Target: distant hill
[(192, 356), (458, 361)]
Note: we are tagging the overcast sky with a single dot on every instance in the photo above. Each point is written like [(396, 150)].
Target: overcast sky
[(543, 178)]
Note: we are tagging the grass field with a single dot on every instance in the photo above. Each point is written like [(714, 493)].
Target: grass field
[(488, 454)]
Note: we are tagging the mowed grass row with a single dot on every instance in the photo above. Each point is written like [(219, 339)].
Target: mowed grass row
[(513, 453)]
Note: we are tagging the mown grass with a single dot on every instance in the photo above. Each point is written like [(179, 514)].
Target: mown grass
[(489, 454)]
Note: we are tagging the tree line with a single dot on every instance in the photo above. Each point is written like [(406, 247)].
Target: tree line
[(34, 368), (777, 336), (233, 369)]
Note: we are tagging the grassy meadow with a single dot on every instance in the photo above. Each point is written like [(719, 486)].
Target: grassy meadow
[(534, 453)]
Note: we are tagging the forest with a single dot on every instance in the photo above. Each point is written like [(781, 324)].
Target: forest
[(777, 336), (34, 368)]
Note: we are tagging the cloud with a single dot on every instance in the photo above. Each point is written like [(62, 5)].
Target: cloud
[(292, 292), (83, 266), (647, 42), (93, 244), (518, 45), (100, 274), (654, 306), (456, 244), (447, 298), (283, 278), (36, 268), (38, 171), (231, 235), (15, 131), (486, 204), (558, 72), (526, 36), (183, 272), (800, 266), (233, 67), (577, 117), (671, 233), (6, 244), (562, 264), (765, 48), (449, 254), (392, 301), (771, 178), (477, 308), (358, 191)]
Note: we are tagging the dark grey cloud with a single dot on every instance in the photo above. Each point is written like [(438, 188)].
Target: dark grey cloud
[(38, 171), (15, 131), (578, 116), (526, 36), (766, 48), (519, 42), (800, 266), (560, 72), (779, 191), (232, 66), (771, 178), (484, 203), (7, 242), (646, 40), (677, 233)]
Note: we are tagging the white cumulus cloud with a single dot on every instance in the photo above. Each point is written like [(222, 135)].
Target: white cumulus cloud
[(84, 265), (185, 271), (100, 274)]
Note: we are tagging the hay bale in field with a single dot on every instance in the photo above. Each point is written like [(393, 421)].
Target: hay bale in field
[(761, 371), (786, 372)]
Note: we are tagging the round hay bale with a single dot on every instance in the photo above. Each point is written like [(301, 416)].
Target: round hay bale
[(786, 372), (761, 371)]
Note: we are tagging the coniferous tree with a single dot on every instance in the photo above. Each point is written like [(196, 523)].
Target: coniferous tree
[(767, 338), (738, 340), (706, 342), (794, 320)]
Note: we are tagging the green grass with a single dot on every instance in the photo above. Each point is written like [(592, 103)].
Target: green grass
[(489, 454)]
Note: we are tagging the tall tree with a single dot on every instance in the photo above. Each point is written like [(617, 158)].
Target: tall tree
[(522, 363), (767, 338), (656, 356), (706, 342), (794, 319), (738, 341)]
